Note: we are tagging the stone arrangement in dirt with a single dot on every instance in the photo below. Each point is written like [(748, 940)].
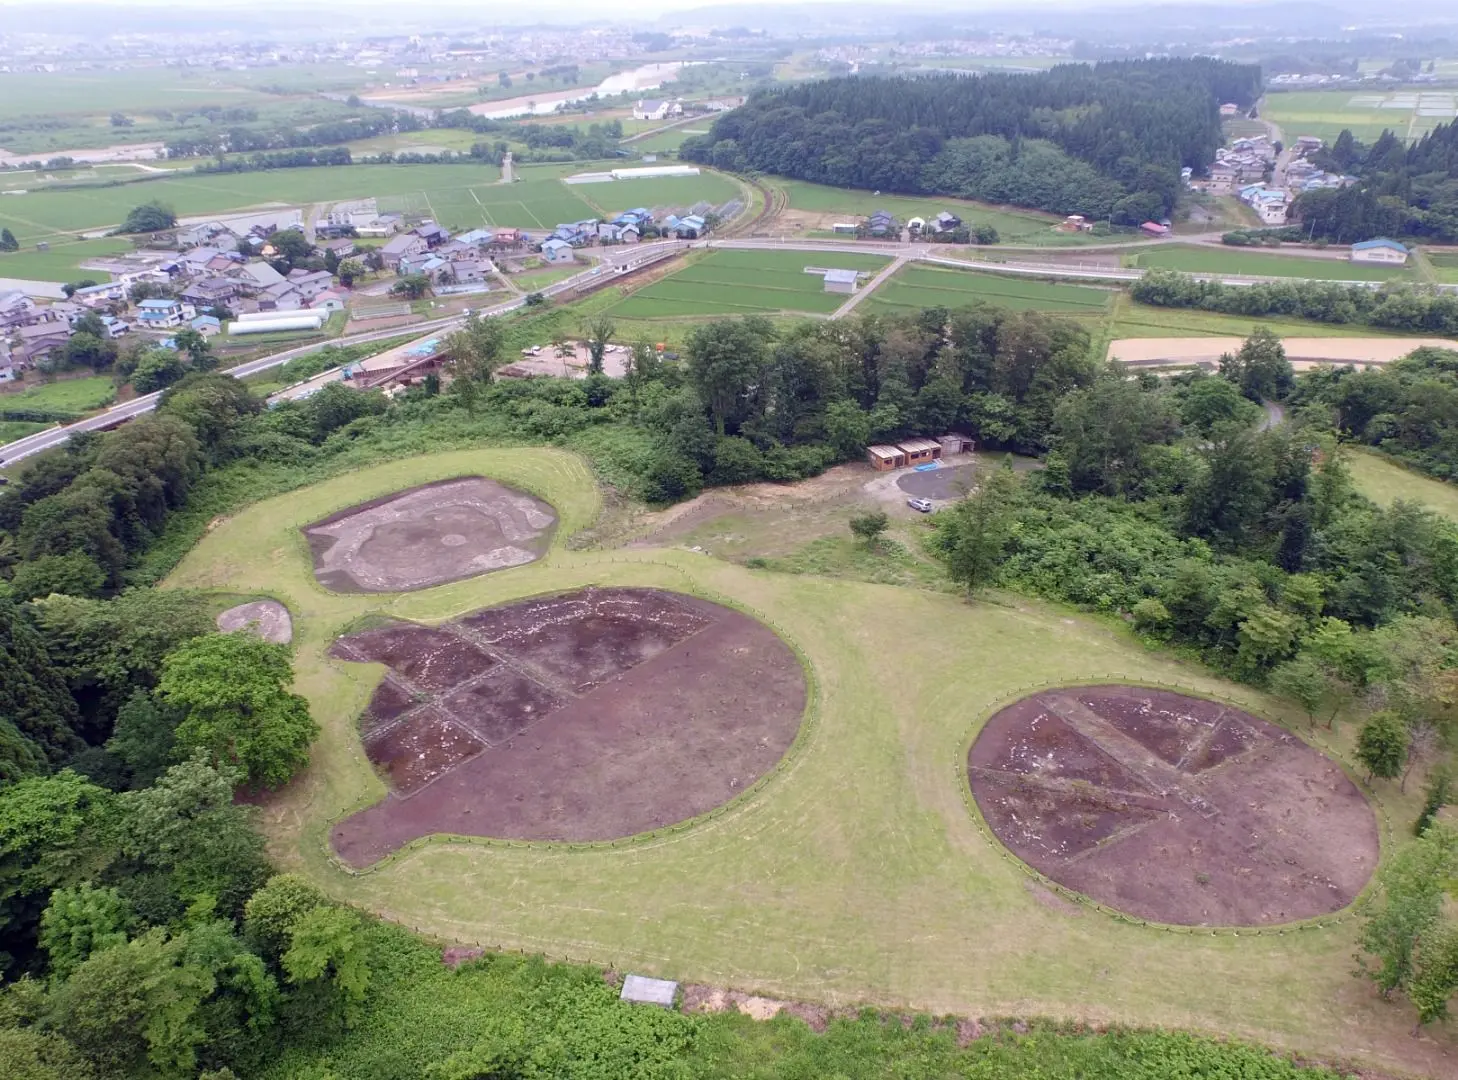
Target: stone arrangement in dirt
[(268, 619), (429, 535), (590, 715), (1173, 808), (948, 482)]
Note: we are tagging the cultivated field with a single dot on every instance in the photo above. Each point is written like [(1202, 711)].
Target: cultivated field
[(1221, 260), (63, 395), (460, 196), (63, 261), (916, 287), (857, 871), (1324, 113), (729, 282)]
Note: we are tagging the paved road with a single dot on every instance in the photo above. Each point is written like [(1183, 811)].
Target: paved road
[(614, 261), (870, 287)]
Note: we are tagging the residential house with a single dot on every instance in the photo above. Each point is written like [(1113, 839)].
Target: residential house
[(1380, 250), (471, 271), (1305, 144), (721, 104), (1228, 110), (508, 240), (880, 224), (100, 295), (558, 251), (210, 292), (434, 235), (342, 247), (656, 110), (207, 325), (629, 234), (163, 313), (254, 277), (36, 342), (114, 327), (1154, 228), (281, 297), (476, 238), (402, 246), (310, 283), (946, 222), (384, 225), (330, 300)]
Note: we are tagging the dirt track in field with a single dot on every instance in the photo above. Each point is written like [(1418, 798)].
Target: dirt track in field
[(1173, 808), (587, 716)]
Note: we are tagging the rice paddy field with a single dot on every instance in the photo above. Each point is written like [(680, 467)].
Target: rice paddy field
[(62, 262), (1324, 113), (729, 282), (1444, 264), (915, 287), (461, 196), (1213, 260)]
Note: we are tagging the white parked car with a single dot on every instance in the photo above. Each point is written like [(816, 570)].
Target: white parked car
[(923, 506)]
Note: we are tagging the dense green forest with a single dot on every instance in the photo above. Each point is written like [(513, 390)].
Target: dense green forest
[(1402, 190), (143, 933), (1106, 141)]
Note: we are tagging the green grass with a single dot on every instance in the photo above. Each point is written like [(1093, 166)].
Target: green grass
[(64, 395), (11, 430), (857, 874), (1212, 260), (62, 262), (668, 140), (1444, 263), (463, 196), (730, 282), (915, 287), (1014, 226), (1384, 481)]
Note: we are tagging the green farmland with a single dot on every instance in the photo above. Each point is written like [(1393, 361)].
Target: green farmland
[(917, 287), (745, 283), (1324, 113), (62, 262), (1213, 260), (461, 196), (1445, 265)]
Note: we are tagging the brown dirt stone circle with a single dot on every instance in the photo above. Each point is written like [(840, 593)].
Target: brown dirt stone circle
[(1173, 808), (585, 716)]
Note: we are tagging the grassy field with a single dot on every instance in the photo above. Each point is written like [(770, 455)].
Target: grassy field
[(1444, 263), (745, 283), (1385, 481), (455, 195), (1222, 260), (857, 873), (11, 430), (1325, 113), (915, 287), (64, 395), (1013, 226), (668, 140), (62, 262)]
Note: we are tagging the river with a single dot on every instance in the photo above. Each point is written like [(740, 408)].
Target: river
[(648, 77)]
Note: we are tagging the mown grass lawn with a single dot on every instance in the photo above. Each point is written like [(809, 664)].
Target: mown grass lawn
[(857, 874), (1384, 481)]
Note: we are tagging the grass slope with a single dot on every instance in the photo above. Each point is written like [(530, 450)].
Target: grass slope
[(1384, 481), (857, 873), (64, 395)]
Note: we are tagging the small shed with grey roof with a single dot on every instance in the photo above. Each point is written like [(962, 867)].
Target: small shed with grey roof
[(841, 281)]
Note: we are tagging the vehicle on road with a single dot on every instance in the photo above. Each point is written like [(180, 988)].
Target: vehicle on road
[(921, 506)]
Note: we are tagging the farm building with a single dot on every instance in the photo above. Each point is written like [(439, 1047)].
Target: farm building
[(656, 110), (920, 451), (1154, 228), (841, 281), (845, 228), (1381, 250), (884, 457), (954, 444)]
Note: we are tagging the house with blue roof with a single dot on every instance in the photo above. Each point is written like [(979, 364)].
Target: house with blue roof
[(1380, 250), (163, 313), (555, 250), (691, 227)]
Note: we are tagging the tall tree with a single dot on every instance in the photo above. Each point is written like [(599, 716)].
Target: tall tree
[(600, 331)]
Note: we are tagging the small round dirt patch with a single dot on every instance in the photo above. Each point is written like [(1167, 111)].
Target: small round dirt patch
[(1173, 808), (429, 535), (586, 716), (267, 618), (944, 483)]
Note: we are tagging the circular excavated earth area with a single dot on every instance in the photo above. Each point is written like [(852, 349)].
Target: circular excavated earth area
[(591, 715), (267, 618), (429, 535), (943, 483), (1173, 808)]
